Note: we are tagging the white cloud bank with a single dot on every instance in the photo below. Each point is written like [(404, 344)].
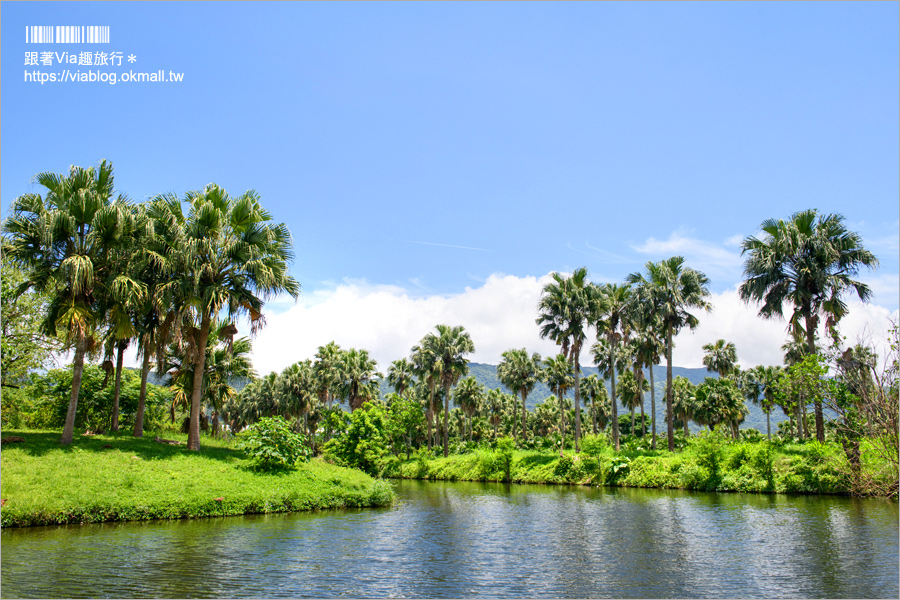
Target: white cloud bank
[(499, 315)]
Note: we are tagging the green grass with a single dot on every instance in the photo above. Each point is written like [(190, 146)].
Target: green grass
[(708, 464), (121, 478)]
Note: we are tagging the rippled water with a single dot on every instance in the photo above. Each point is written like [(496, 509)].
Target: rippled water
[(482, 540)]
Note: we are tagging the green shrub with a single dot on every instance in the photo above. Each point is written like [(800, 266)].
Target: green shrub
[(594, 445), (270, 443), (505, 448)]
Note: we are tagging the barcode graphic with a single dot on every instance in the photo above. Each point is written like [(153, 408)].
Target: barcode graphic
[(67, 34)]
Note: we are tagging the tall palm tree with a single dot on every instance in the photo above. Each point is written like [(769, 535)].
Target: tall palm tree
[(520, 373), (558, 375), (808, 261), (360, 378), (468, 396), (62, 243), (428, 369), (568, 306), (613, 322), (649, 346), (449, 347), (400, 375), (720, 357), (231, 257), (328, 371), (672, 289), (684, 402)]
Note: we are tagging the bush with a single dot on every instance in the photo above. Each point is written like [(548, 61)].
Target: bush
[(504, 454), (270, 443), (594, 445)]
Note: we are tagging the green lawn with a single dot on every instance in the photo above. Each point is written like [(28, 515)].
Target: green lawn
[(119, 478)]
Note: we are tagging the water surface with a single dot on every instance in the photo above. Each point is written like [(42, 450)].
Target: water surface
[(452, 540)]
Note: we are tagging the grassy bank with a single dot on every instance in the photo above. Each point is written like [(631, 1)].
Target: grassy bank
[(708, 464), (121, 478)]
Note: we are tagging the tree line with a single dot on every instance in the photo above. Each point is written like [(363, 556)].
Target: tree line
[(172, 275)]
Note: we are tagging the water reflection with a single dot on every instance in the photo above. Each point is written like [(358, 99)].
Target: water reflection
[(482, 540)]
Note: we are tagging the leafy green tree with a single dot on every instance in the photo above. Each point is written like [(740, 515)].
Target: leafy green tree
[(270, 443), (568, 306), (230, 257), (23, 346), (364, 445), (520, 373), (808, 261), (671, 289), (494, 404), (405, 421), (62, 243)]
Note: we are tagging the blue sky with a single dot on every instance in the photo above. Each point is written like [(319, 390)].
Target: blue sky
[(428, 151)]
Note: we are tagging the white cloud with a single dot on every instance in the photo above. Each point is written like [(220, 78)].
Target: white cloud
[(500, 314), (759, 340), (388, 321), (713, 260)]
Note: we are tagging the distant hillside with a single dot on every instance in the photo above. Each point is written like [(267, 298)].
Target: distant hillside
[(487, 376)]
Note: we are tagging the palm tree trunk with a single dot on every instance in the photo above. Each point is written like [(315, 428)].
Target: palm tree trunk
[(643, 423), (446, 420), (142, 400), (576, 351), (77, 371), (193, 442), (653, 408), (632, 420), (811, 323), (524, 417), (120, 355), (613, 404), (562, 423), (669, 419), (768, 426), (687, 429)]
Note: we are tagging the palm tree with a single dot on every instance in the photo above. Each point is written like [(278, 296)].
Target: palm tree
[(808, 261), (62, 243), (649, 347), (568, 305), (594, 392), (449, 348), (230, 257), (400, 375), (721, 357), (327, 369), (633, 388), (468, 397), (684, 402), (360, 379), (427, 369), (520, 373), (155, 316), (613, 323), (671, 289), (558, 375), (494, 404)]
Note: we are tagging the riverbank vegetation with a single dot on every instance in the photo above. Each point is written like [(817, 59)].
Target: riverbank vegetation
[(171, 276), (122, 478)]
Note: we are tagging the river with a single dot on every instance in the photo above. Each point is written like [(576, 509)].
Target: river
[(458, 540)]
